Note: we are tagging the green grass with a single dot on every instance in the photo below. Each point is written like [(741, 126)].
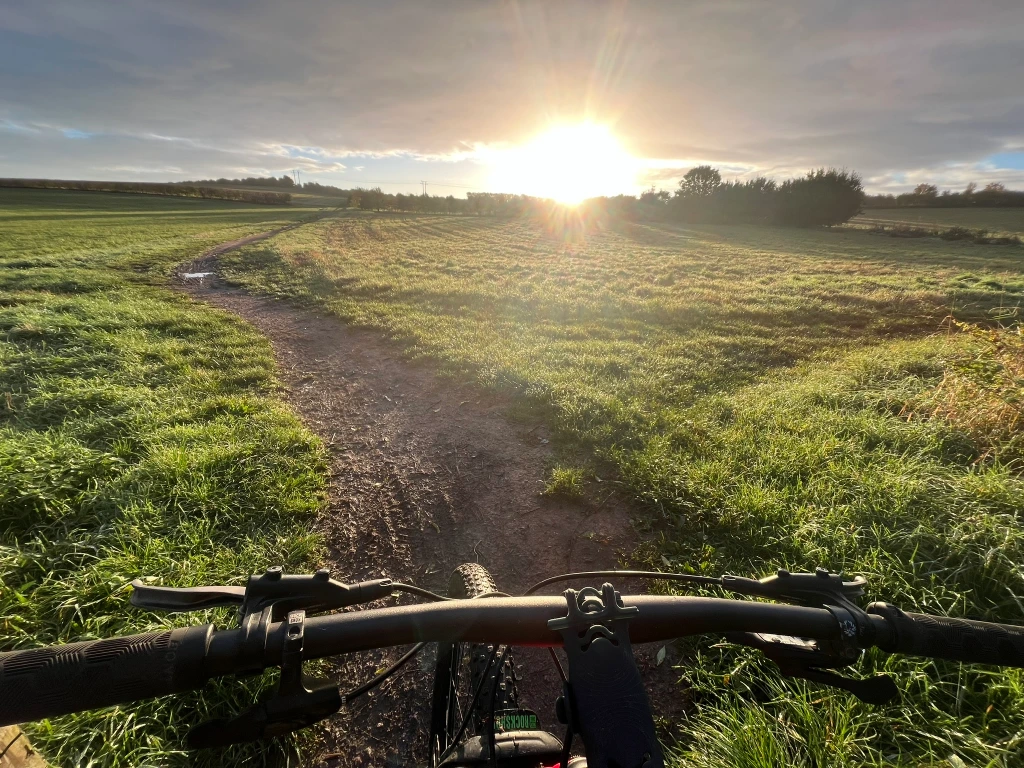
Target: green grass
[(1008, 221), (569, 482), (764, 395), (141, 434)]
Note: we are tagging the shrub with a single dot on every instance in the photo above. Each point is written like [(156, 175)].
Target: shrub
[(825, 197), (982, 237), (906, 230), (958, 233), (977, 236)]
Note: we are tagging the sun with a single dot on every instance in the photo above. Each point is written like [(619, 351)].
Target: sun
[(567, 163)]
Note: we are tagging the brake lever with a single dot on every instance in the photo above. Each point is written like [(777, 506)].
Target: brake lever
[(270, 597), (880, 689), (806, 659), (314, 593), (810, 659), (152, 598), (300, 701)]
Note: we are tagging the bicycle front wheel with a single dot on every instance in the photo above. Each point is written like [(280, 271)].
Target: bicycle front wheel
[(467, 671)]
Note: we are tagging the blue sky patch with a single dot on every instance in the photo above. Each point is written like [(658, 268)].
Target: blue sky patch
[(1013, 160)]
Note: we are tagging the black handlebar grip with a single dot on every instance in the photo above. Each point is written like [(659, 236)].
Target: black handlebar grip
[(46, 682), (940, 637)]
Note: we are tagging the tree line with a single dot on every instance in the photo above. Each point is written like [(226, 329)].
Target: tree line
[(821, 198), (824, 197), (154, 188), (993, 195), (473, 204), (284, 182)]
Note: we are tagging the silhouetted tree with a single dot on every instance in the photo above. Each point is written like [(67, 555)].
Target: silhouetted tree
[(701, 181)]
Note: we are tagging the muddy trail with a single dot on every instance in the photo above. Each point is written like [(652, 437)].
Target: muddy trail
[(426, 473)]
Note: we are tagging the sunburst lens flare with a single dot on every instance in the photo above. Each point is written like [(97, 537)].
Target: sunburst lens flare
[(568, 163)]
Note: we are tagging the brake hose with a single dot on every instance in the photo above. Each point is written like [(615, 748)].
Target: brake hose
[(376, 680)]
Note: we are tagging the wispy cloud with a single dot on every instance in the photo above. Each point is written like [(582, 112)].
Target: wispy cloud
[(13, 127)]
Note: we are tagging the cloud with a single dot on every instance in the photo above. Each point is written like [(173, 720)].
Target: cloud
[(13, 127), (911, 87)]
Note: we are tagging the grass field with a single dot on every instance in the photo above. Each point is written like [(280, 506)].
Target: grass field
[(997, 221), (141, 434), (773, 398)]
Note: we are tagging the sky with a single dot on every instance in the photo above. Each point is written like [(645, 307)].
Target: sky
[(396, 93)]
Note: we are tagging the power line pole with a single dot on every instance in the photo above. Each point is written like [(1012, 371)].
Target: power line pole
[(424, 188)]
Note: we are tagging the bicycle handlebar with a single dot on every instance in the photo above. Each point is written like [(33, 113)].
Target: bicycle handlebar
[(940, 637), (47, 682)]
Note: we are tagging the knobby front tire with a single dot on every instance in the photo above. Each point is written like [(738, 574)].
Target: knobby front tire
[(461, 668)]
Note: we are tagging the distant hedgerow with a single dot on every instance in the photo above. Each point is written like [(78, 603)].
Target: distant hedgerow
[(952, 234), (153, 188), (825, 197)]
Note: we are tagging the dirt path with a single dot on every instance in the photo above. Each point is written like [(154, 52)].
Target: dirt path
[(209, 259), (426, 473)]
